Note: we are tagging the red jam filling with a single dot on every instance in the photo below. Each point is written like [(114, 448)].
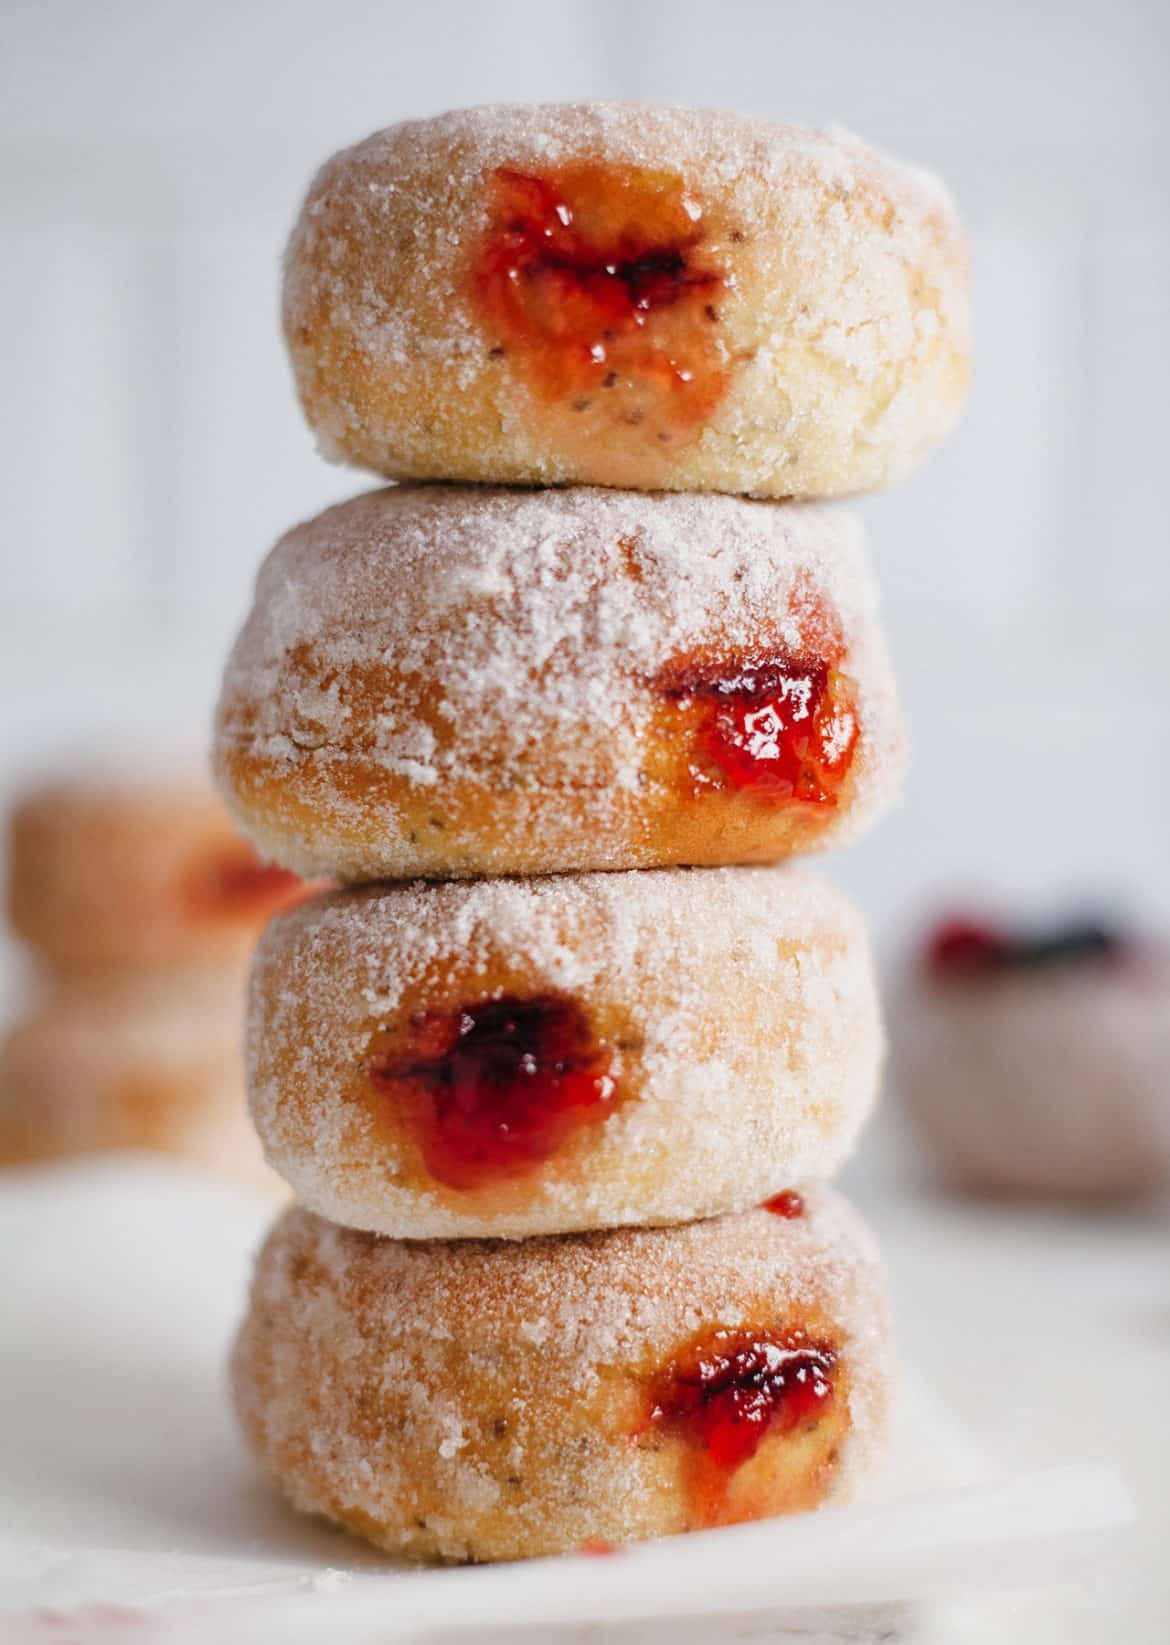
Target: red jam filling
[(237, 882), (727, 1392), (495, 1089), (596, 275), (782, 726), (962, 948), (788, 1204)]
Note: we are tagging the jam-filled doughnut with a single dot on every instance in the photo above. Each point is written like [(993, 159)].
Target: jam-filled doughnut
[(517, 1057), (630, 296), (136, 870), (1036, 1062), (496, 1399), (444, 680), (131, 1063)]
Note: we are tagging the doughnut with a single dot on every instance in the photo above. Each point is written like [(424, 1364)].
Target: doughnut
[(517, 1057), (624, 295), (133, 871), (135, 1062), (444, 681), (1038, 1064), (480, 1400)]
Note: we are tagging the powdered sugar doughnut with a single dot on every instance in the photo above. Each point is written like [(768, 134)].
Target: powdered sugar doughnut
[(440, 680), (627, 295), (497, 1400), (510, 1057), (1041, 1066), (150, 1063), (130, 870)]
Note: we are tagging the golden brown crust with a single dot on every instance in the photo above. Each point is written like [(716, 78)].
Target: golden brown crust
[(838, 328), (733, 1010), (111, 873), (136, 1063), (441, 680), (475, 1400)]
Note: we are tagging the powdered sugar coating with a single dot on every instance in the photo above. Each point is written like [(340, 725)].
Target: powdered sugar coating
[(843, 325), (736, 1008), (488, 1400), (449, 680)]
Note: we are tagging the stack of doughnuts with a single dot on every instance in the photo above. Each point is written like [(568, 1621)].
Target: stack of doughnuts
[(558, 1077), (139, 902)]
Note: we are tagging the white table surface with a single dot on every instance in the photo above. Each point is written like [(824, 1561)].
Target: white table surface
[(1049, 1334)]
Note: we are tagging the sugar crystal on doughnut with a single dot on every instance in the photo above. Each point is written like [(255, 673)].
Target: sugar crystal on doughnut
[(488, 1399), (456, 680), (393, 1030), (627, 295)]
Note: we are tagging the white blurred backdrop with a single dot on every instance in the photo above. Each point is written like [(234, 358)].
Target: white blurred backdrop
[(152, 155)]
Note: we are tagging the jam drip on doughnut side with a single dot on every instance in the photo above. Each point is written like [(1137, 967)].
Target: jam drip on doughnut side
[(597, 277), (493, 1090), (731, 1389), (234, 883), (780, 725), (789, 1204)]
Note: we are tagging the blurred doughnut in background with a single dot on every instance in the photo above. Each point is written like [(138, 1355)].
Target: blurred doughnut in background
[(131, 1061), (1036, 1062), (138, 905), (127, 872)]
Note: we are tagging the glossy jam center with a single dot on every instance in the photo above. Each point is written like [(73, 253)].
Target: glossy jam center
[(781, 726), (784, 731), (789, 1204), (493, 1090), (597, 276), (732, 1388)]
